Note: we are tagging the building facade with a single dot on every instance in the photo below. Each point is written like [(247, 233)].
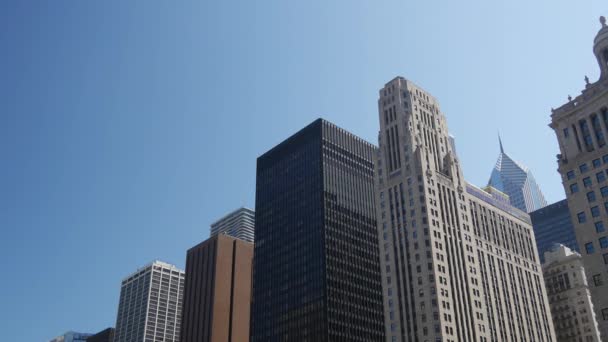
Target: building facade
[(552, 224), (106, 335), (458, 263), (581, 127), (316, 268), (71, 336), (239, 224), (517, 181), (150, 304), (217, 297), (569, 296)]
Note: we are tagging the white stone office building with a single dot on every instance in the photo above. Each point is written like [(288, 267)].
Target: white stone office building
[(459, 263), (569, 296), (239, 224), (150, 305), (581, 127)]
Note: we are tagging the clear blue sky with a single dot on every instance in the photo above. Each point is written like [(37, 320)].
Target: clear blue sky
[(127, 128)]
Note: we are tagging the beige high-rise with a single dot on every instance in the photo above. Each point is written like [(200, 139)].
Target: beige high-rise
[(459, 263), (569, 296), (581, 126)]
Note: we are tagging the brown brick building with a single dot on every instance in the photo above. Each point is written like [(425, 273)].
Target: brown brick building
[(217, 295)]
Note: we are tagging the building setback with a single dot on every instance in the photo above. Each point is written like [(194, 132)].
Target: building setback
[(217, 298), (581, 127), (150, 304), (458, 263), (106, 335), (552, 224), (316, 268), (239, 224), (569, 297)]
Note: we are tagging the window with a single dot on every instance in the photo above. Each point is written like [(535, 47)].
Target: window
[(584, 168), (606, 258), (566, 132), (587, 182), (595, 211), (597, 163), (604, 242), (599, 226), (591, 196), (573, 188), (605, 314), (581, 217), (589, 248), (604, 191), (570, 174), (600, 176), (597, 279)]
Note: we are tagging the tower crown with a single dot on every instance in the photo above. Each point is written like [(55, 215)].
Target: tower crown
[(600, 48)]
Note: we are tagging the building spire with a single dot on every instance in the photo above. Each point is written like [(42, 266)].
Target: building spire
[(502, 150)]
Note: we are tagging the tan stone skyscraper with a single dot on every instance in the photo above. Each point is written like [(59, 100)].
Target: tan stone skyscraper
[(581, 126), (458, 263)]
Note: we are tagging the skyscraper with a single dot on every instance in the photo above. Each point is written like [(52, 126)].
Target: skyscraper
[(150, 304), (217, 297), (552, 224), (239, 224), (316, 268), (581, 127), (106, 335), (71, 336), (569, 296), (517, 181), (459, 263)]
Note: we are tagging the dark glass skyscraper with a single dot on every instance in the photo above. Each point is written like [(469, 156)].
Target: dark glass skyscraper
[(316, 264), (552, 224)]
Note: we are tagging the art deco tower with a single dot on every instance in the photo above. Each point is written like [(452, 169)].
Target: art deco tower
[(581, 127), (517, 181), (458, 263)]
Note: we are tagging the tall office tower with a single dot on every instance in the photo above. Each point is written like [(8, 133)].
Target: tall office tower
[(581, 127), (458, 263), (552, 224), (150, 304), (569, 297), (239, 224), (106, 335), (517, 181), (217, 297), (316, 269), (71, 336)]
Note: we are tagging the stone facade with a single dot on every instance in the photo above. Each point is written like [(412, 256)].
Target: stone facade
[(569, 296), (458, 263), (581, 127)]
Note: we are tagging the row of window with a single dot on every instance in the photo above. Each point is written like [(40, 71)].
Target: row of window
[(581, 217), (587, 183), (590, 247), (583, 168)]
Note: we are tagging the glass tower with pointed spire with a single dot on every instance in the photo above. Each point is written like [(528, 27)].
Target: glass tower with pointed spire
[(517, 181)]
